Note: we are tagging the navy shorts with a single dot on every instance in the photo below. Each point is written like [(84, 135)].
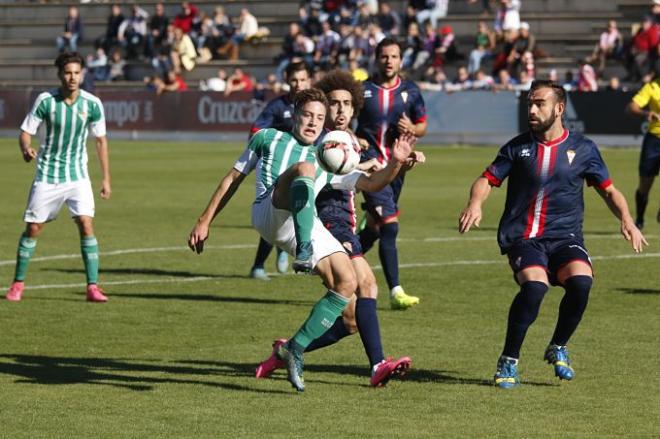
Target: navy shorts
[(343, 232), (383, 205), (649, 159), (549, 254)]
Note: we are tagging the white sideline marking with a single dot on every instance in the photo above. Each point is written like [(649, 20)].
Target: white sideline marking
[(243, 246), (376, 267)]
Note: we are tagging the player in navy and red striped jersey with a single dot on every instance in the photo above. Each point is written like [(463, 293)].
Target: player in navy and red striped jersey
[(541, 228), (278, 114), (392, 106)]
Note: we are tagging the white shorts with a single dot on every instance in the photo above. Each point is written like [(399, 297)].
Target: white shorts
[(276, 226), (46, 200)]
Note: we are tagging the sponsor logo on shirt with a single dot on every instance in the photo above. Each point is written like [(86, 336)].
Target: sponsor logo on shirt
[(525, 152), (287, 114), (367, 94)]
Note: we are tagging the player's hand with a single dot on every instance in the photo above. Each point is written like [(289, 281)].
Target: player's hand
[(364, 144), (414, 158), (405, 125), (633, 235), (29, 154), (371, 165), (403, 147), (653, 116), (197, 237), (471, 216), (106, 189)]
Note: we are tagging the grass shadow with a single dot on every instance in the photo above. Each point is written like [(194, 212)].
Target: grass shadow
[(646, 291), (151, 272), (211, 298), (127, 374)]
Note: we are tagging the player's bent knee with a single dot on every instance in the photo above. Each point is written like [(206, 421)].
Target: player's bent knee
[(579, 284), (304, 169)]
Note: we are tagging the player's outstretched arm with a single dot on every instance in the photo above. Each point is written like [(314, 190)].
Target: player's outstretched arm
[(225, 190), (619, 207), (378, 180), (25, 143), (104, 160), (471, 215)]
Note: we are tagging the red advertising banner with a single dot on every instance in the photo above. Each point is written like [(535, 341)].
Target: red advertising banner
[(141, 110)]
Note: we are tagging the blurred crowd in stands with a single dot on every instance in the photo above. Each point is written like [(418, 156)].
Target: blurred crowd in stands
[(328, 34)]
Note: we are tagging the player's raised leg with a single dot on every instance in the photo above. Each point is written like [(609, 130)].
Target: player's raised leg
[(295, 192)]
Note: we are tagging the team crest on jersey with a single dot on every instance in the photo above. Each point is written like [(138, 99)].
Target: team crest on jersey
[(525, 152), (571, 155), (287, 114), (367, 94), (82, 115), (404, 96)]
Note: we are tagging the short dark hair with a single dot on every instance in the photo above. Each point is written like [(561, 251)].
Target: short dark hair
[(304, 97), (342, 80), (558, 90), (387, 42), (297, 66), (67, 58)]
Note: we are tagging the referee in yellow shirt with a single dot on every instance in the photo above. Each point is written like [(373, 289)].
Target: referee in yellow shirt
[(647, 103)]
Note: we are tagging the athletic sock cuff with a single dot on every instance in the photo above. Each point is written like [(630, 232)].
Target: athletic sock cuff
[(88, 240), (336, 299)]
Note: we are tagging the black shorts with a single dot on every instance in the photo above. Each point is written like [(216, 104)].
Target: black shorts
[(649, 159), (343, 233), (549, 254), (383, 205)]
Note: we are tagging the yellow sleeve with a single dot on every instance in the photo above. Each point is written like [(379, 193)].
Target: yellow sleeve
[(643, 96)]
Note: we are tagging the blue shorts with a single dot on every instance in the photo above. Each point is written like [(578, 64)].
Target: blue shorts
[(383, 205), (649, 159), (549, 254), (343, 232)]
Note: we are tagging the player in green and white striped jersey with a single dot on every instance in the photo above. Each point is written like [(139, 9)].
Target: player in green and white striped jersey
[(284, 213), (62, 177)]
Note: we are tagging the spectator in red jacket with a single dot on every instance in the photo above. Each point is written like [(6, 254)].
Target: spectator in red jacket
[(187, 17), (644, 50)]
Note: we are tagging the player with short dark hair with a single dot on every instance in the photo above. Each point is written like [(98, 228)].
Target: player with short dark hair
[(541, 227), (284, 213), (392, 106), (278, 114), (62, 176), (336, 210), (647, 103)]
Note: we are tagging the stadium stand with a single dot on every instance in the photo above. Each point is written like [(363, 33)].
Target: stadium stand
[(566, 31)]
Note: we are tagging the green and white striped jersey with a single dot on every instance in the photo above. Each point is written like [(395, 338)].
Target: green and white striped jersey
[(63, 153), (271, 152)]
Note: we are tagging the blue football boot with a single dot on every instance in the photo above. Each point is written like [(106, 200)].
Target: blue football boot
[(506, 376), (558, 357)]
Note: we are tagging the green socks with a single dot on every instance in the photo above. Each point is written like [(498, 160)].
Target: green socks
[(90, 254), (322, 317), (25, 251), (302, 208)]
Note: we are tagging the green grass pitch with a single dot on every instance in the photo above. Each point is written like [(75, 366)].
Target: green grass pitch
[(173, 352)]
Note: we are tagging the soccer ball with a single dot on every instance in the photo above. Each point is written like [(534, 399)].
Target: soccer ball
[(338, 152)]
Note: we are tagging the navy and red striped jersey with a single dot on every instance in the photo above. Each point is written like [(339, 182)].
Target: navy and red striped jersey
[(277, 114), (545, 191), (383, 107)]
